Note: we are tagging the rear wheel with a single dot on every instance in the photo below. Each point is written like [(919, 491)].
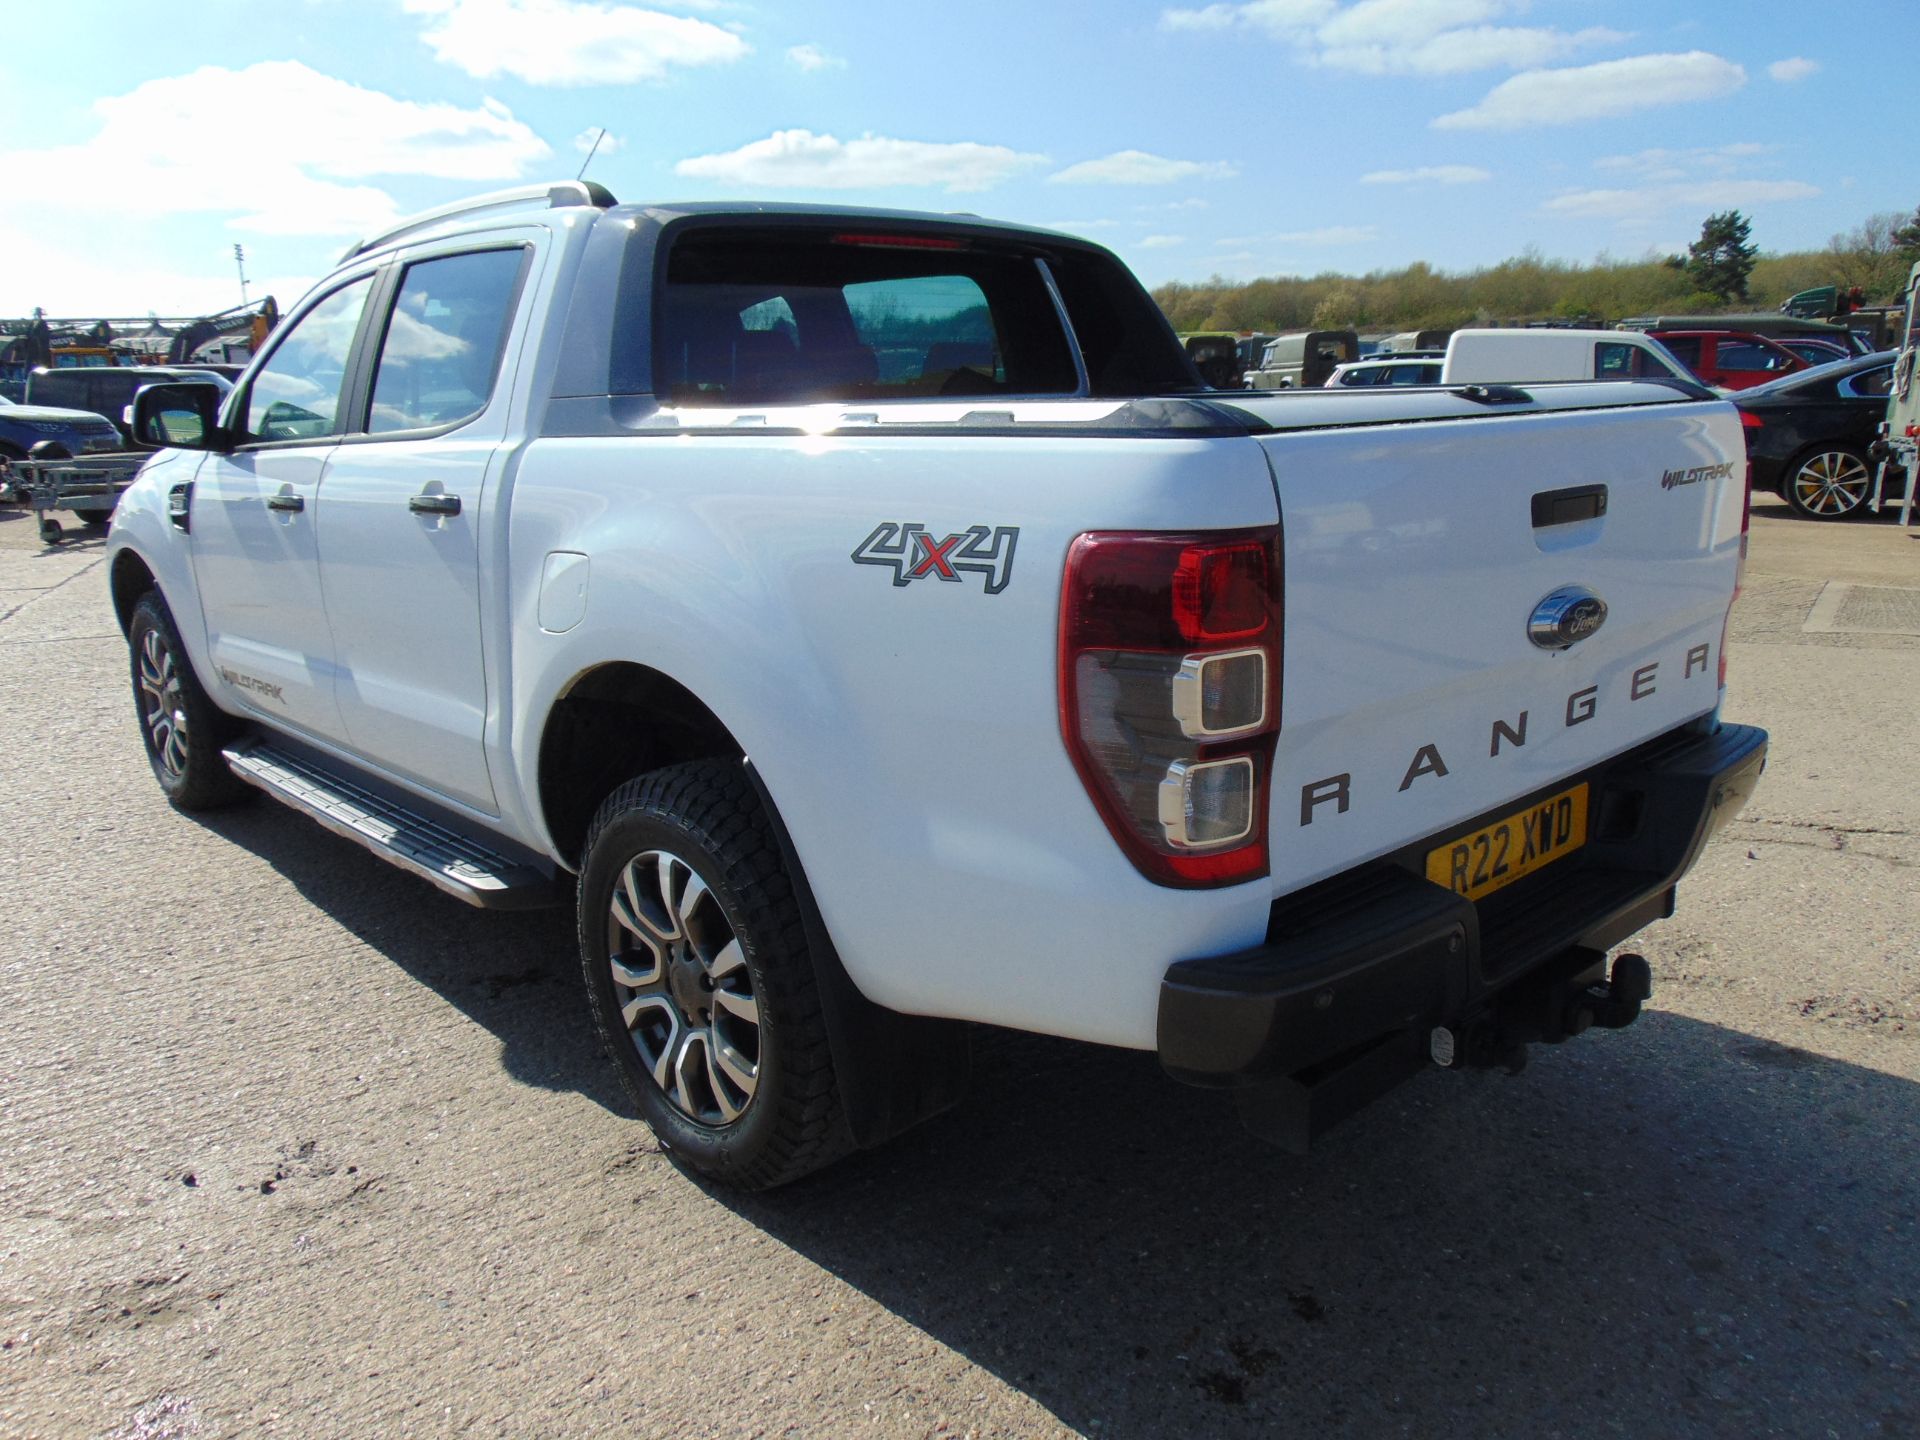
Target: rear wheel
[(1829, 482), (182, 729), (700, 980)]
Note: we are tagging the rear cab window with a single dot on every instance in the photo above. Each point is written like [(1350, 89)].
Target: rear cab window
[(785, 316)]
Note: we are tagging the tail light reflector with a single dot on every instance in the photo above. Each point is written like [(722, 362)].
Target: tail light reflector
[(1170, 695)]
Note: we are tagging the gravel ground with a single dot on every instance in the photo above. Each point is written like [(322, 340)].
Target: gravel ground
[(294, 1145)]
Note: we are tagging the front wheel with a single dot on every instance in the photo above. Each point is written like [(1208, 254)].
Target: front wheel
[(182, 728), (1829, 482), (700, 980)]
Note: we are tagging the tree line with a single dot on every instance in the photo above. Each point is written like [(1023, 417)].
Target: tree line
[(1722, 270)]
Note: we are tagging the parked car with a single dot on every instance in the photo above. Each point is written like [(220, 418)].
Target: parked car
[(79, 432), (1520, 357), (1809, 435), (107, 390), (869, 702), (1815, 352), (1729, 359), (1304, 359), (1768, 323), (1415, 368)]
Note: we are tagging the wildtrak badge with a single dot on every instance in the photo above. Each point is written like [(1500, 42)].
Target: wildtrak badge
[(1695, 476)]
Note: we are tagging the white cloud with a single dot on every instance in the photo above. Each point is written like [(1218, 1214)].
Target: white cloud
[(1399, 37), (1646, 204), (1137, 167), (569, 42), (583, 143), (115, 274), (1662, 164), (1429, 175), (802, 158), (1597, 92), (811, 58), (293, 168), (1327, 235), (1796, 68), (1161, 242)]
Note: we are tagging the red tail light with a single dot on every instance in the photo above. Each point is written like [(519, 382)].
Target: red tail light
[(1752, 421), (1170, 695)]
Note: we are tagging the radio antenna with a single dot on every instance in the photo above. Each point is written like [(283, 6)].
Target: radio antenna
[(593, 150)]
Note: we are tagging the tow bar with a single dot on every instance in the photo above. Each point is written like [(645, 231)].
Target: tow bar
[(1547, 1013)]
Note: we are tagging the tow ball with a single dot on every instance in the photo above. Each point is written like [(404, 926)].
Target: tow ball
[(1547, 1013)]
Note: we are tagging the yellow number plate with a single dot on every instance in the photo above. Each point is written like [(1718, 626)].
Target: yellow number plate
[(1480, 863)]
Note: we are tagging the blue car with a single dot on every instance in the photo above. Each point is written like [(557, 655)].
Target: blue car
[(77, 432)]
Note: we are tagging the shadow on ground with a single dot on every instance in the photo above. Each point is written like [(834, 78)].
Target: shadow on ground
[(1675, 1230)]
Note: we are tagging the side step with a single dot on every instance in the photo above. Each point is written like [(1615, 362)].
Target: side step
[(462, 867)]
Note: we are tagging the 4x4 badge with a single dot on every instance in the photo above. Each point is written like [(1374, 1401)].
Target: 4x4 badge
[(913, 554)]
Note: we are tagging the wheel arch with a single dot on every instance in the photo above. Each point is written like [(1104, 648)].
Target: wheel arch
[(611, 722), (129, 579)]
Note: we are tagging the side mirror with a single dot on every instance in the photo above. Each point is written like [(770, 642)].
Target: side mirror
[(181, 414)]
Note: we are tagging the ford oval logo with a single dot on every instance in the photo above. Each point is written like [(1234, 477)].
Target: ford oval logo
[(1566, 617)]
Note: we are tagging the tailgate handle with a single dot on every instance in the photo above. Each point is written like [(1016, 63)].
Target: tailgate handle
[(1563, 507)]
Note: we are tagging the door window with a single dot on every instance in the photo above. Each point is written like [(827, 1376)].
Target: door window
[(1746, 355), (1869, 384), (296, 395), (443, 343), (1684, 348)]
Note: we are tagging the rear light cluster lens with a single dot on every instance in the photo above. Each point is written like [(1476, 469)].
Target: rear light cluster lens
[(1170, 695)]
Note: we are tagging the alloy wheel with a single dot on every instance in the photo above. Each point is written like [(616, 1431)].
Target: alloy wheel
[(163, 704), (685, 993), (1831, 483)]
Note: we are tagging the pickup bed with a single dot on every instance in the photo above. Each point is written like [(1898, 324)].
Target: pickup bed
[(871, 624)]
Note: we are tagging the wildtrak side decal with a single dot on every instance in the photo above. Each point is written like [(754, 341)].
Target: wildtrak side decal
[(253, 684), (913, 554)]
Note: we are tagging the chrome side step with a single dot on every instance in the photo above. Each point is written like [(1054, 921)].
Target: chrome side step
[(462, 867)]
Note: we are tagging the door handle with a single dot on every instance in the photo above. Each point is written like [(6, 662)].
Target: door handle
[(434, 504), (290, 504)]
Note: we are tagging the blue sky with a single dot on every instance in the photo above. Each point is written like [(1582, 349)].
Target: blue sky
[(141, 141)]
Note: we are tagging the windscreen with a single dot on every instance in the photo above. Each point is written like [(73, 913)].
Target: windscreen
[(788, 318)]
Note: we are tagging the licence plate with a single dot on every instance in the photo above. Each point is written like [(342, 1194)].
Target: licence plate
[(1480, 863)]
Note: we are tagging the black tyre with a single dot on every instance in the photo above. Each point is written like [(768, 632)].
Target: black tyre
[(701, 984), (1828, 482), (181, 727)]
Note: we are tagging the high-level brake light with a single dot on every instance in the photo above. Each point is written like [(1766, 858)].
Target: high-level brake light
[(1170, 695)]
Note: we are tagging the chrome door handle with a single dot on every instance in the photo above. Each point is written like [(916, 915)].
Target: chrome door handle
[(290, 504), (434, 504)]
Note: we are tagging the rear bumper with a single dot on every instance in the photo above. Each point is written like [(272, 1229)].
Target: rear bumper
[(1357, 972)]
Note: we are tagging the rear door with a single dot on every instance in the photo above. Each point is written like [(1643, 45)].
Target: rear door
[(402, 512), (1413, 698), (255, 549)]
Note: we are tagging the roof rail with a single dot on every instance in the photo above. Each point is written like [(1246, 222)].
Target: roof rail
[(550, 196)]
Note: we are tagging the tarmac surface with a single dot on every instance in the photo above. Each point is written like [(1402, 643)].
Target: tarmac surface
[(291, 1144)]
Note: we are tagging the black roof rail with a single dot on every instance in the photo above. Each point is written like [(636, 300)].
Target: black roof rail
[(553, 195)]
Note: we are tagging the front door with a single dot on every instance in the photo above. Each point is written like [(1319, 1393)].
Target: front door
[(400, 525), (255, 555)]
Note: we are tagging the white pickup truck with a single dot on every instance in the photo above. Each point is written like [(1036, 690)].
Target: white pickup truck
[(873, 626)]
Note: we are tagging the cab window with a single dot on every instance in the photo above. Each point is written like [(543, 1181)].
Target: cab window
[(441, 352), (296, 395), (767, 319)]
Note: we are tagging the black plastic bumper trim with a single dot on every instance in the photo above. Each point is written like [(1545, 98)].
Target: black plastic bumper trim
[(1382, 951)]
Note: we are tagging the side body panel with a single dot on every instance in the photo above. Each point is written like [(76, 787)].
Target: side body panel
[(908, 732)]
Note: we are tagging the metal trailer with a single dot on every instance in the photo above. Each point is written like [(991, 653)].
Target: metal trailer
[(86, 487), (1900, 434)]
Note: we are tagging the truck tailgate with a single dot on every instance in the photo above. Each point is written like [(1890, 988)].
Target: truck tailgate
[(1413, 697)]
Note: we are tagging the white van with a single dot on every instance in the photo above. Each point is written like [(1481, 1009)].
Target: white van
[(1521, 356)]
